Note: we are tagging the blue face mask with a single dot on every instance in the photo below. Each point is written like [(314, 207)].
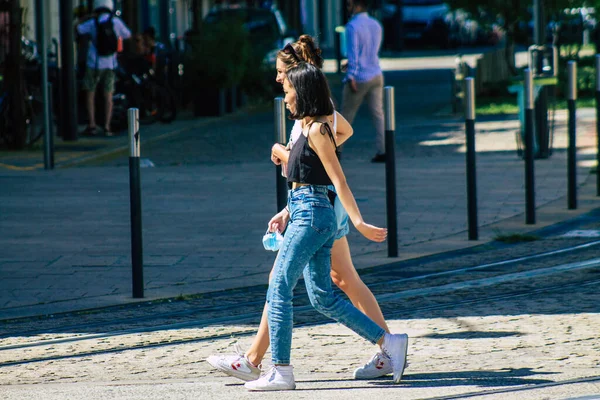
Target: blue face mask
[(272, 240)]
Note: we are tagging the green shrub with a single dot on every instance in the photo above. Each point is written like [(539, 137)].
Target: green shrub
[(217, 56)]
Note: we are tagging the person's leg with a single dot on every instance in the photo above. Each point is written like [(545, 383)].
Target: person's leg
[(306, 234), (345, 277), (260, 344), (90, 81), (317, 278), (108, 77), (374, 99), (351, 101), (89, 105), (246, 366), (297, 249), (318, 285)]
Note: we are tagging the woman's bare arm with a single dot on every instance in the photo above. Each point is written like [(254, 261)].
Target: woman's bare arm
[(343, 129)]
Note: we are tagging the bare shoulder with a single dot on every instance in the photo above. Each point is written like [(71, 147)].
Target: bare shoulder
[(321, 128)]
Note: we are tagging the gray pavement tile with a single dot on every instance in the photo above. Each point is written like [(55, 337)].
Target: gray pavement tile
[(192, 217)]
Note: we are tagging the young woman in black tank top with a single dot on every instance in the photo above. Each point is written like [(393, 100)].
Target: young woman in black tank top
[(245, 365), (310, 234)]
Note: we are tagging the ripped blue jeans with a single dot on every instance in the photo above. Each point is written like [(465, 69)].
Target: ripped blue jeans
[(306, 249)]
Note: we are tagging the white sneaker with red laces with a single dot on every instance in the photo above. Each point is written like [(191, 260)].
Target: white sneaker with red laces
[(236, 365), (380, 365), (279, 377)]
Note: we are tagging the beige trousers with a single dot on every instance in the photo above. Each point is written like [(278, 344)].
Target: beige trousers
[(373, 92)]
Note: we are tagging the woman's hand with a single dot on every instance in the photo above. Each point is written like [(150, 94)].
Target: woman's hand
[(372, 232), (277, 152), (279, 221)]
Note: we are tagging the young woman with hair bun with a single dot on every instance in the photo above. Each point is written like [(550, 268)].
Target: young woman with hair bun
[(246, 366)]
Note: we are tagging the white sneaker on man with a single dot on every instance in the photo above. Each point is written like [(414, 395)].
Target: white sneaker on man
[(236, 365), (380, 365), (279, 377), (396, 346)]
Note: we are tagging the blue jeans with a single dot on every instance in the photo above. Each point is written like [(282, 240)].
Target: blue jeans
[(308, 240)]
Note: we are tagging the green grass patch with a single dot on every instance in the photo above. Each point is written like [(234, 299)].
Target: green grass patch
[(516, 238), (508, 105)]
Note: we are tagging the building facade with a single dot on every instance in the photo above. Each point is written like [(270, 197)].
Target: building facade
[(172, 18)]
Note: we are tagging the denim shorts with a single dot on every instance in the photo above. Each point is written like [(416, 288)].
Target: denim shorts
[(341, 216)]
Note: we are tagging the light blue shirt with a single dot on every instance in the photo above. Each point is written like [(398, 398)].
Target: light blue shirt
[(89, 28), (363, 41)]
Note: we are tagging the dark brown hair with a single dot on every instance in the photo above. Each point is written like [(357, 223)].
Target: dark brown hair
[(313, 97)]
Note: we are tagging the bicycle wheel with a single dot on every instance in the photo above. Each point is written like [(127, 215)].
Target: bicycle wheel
[(169, 105), (151, 107), (4, 121), (34, 116)]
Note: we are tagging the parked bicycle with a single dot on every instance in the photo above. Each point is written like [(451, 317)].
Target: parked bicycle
[(138, 87), (30, 103)]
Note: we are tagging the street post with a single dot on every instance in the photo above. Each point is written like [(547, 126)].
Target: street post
[(135, 201), (390, 170), (529, 150), (280, 137), (471, 164)]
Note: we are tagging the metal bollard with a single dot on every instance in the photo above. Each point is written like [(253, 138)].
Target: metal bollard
[(390, 170), (572, 149), (471, 165), (135, 201), (597, 124), (529, 150), (338, 51), (49, 136), (40, 23), (280, 137)]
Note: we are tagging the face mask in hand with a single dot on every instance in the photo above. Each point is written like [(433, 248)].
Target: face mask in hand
[(272, 240)]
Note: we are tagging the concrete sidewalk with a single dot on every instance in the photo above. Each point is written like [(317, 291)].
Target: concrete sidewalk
[(64, 234)]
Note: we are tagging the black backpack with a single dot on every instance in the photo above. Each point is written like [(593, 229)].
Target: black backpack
[(106, 38)]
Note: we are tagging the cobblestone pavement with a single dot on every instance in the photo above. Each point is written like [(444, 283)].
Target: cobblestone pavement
[(502, 348), (526, 338)]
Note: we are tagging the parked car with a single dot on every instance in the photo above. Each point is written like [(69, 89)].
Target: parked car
[(433, 22), (266, 26), (573, 26)]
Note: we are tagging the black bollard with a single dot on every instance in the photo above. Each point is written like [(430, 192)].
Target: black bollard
[(338, 51), (471, 165), (572, 150), (597, 124), (135, 201), (280, 137), (529, 150), (390, 170), (49, 137)]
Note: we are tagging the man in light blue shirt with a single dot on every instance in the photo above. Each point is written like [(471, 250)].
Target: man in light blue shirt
[(364, 79), (100, 69)]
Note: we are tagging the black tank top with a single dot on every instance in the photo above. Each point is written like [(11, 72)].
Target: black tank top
[(304, 165)]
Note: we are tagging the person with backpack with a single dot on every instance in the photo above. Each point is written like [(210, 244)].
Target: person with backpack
[(104, 29)]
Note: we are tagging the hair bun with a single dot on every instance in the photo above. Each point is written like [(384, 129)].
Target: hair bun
[(310, 50), (310, 41)]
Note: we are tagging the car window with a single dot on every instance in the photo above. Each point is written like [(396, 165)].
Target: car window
[(262, 25), (422, 2)]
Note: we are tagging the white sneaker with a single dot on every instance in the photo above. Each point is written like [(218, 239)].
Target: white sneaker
[(279, 377), (396, 346), (380, 365), (236, 365)]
